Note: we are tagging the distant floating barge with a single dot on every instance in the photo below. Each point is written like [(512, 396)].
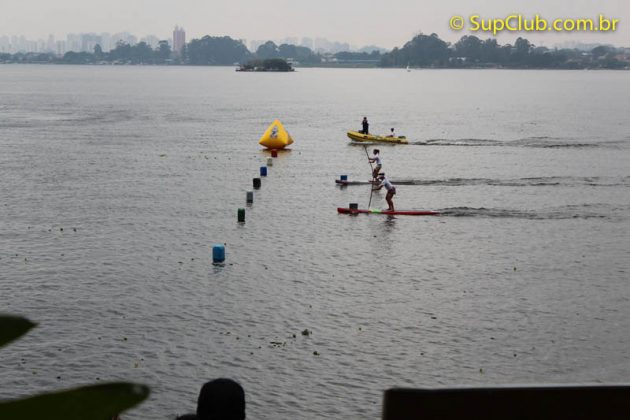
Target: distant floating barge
[(269, 65)]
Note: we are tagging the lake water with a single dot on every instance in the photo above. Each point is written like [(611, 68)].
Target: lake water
[(117, 181)]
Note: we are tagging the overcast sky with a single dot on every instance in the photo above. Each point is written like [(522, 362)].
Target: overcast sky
[(359, 22)]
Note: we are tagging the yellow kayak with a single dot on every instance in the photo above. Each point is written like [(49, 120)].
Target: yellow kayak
[(356, 136)]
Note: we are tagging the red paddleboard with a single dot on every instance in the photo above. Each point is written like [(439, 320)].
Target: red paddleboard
[(396, 212)]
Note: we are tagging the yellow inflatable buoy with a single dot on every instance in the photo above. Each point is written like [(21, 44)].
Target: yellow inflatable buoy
[(276, 137)]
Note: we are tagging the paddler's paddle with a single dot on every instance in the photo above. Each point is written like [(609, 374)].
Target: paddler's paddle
[(372, 175)]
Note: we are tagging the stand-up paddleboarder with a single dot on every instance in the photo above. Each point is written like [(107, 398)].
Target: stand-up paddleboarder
[(391, 190), (379, 163)]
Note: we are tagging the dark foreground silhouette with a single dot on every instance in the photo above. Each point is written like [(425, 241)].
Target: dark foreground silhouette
[(219, 399)]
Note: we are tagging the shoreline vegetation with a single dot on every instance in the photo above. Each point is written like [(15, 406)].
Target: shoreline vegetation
[(422, 51)]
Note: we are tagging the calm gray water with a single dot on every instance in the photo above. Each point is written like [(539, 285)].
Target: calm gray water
[(116, 181)]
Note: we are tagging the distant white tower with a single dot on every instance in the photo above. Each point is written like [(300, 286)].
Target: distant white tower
[(179, 40), (50, 44)]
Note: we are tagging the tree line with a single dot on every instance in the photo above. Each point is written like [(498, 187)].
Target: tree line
[(421, 51), (472, 52), (123, 53)]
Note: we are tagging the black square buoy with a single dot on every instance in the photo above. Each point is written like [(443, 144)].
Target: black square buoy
[(256, 183)]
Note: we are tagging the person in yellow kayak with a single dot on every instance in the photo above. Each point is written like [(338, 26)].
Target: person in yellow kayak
[(379, 163), (391, 190), (366, 126)]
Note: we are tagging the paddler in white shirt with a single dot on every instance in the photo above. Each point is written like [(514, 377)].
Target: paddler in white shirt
[(379, 163), (391, 190)]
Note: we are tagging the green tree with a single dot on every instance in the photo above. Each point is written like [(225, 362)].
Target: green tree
[(491, 52), (98, 52), (611, 61), (470, 47), (163, 51), (421, 51), (297, 53), (216, 50), (142, 53), (72, 57), (122, 52), (599, 51), (521, 52), (268, 50)]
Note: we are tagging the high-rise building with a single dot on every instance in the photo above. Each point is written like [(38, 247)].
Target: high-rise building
[(106, 39), (50, 44), (179, 40), (61, 47), (5, 44), (89, 41), (73, 42)]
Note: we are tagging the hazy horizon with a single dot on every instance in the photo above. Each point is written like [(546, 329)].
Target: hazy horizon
[(356, 22)]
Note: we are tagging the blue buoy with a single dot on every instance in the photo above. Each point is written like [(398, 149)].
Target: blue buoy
[(343, 177), (218, 253), (263, 171)]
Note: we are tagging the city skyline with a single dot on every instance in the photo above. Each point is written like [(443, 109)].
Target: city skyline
[(86, 42), (72, 42), (356, 22)]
